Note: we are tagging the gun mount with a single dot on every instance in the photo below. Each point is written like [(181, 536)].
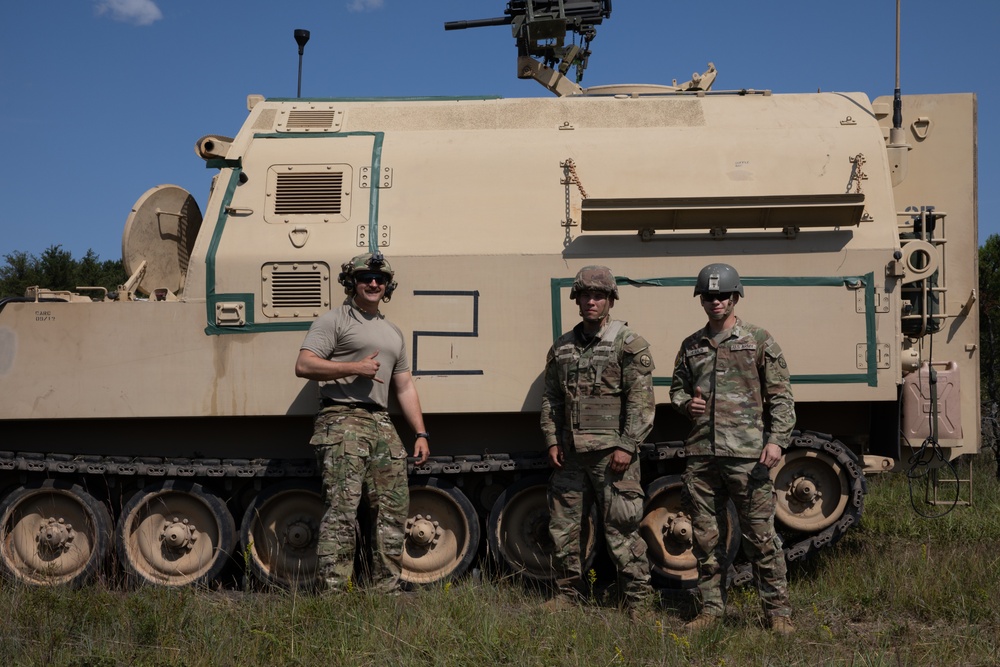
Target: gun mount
[(540, 28)]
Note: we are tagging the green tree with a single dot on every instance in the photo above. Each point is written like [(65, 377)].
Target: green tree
[(57, 270), (19, 272), (989, 341), (92, 272)]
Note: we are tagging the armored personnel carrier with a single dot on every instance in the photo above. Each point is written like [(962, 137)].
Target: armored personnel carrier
[(165, 423)]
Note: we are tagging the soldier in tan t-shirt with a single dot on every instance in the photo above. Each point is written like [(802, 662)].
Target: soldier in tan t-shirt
[(357, 354)]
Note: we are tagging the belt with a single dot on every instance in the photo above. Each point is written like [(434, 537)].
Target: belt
[(370, 407)]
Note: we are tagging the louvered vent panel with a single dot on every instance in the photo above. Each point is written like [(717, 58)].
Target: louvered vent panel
[(295, 290), (309, 194), (311, 120), (300, 289)]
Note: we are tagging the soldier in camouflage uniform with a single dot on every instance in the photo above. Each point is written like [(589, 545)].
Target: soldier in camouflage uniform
[(597, 407), (355, 354), (726, 376)]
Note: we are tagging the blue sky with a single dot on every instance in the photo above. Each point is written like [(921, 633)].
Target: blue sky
[(104, 99)]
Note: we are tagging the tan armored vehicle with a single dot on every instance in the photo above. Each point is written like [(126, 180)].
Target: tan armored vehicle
[(165, 421)]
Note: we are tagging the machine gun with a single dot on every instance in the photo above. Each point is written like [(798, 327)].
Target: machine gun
[(540, 28)]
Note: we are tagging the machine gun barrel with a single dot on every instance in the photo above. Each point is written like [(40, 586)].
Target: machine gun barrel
[(592, 12), (478, 23)]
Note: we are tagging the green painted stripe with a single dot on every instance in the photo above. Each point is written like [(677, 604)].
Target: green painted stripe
[(251, 326), (376, 170), (870, 377), (219, 163), (846, 378), (555, 288), (872, 360), (213, 247)]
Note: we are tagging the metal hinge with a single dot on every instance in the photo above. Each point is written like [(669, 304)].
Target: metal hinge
[(881, 355), (384, 179), (383, 232), (881, 301)]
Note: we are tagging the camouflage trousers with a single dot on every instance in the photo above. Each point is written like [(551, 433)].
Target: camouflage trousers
[(360, 455), (709, 482), (585, 478)]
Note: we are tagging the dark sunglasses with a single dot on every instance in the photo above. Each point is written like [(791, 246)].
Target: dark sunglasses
[(720, 297), (366, 278)]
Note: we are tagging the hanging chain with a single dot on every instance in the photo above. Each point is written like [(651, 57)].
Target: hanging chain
[(571, 178), (857, 175)]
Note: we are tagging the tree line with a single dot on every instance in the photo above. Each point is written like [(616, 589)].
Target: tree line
[(989, 342), (56, 269)]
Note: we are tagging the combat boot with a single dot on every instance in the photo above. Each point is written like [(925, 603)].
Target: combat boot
[(781, 625), (702, 622), (642, 607), (565, 596), (641, 614), (559, 601)]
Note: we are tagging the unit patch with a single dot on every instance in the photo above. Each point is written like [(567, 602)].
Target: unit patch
[(645, 360)]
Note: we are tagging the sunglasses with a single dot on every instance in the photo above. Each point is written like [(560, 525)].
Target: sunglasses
[(720, 297), (366, 278)]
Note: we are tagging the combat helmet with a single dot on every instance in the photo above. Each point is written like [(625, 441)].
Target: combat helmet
[(597, 278), (364, 263), (716, 278)]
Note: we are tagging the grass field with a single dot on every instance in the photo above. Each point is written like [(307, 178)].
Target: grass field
[(899, 589)]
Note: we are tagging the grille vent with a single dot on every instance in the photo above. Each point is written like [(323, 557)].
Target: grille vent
[(304, 194), (295, 289), (308, 193), (314, 119)]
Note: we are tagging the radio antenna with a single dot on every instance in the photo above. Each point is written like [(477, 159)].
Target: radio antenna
[(301, 37)]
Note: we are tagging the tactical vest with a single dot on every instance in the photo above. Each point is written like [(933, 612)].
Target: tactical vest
[(591, 407)]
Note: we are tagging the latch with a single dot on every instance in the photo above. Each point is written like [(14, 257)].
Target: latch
[(230, 314)]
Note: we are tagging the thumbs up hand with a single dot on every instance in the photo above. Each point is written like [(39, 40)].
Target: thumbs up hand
[(369, 366), (697, 405)]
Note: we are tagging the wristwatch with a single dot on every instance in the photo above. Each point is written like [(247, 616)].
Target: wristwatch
[(425, 435)]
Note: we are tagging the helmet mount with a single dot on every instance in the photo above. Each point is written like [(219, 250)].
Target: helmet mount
[(365, 263)]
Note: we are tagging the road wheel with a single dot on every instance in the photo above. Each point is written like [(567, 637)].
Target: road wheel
[(175, 533), (279, 533), (519, 531), (53, 532), (442, 533), (666, 527), (812, 490)]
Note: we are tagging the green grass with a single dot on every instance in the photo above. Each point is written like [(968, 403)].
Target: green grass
[(897, 590)]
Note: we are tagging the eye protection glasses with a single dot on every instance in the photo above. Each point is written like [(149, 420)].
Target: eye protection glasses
[(366, 278)]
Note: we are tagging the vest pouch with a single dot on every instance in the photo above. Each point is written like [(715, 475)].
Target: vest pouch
[(599, 413)]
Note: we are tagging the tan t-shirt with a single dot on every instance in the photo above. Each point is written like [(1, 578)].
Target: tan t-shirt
[(349, 334)]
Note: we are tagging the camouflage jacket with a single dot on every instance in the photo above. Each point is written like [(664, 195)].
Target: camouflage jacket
[(740, 378), (598, 392)]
